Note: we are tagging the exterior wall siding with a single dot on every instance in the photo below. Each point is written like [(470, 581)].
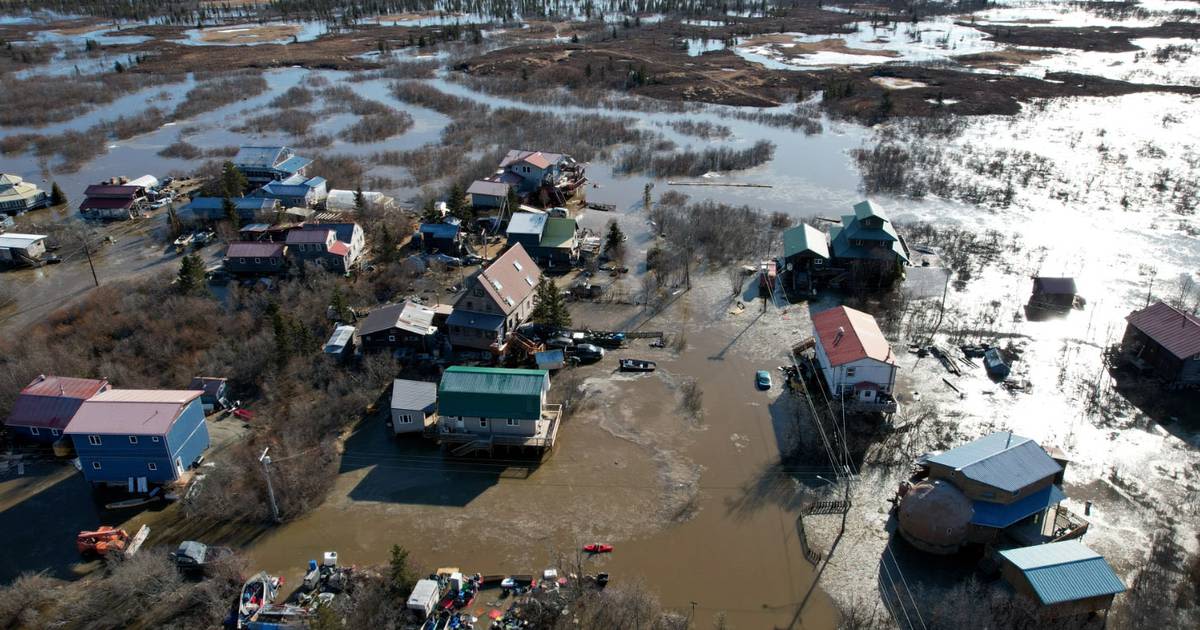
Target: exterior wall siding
[(418, 420), (43, 435), (188, 437), (119, 459)]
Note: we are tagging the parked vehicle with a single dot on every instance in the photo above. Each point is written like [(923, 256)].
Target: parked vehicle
[(762, 379), (559, 213), (637, 365), (598, 548), (560, 341), (194, 558), (52, 259), (445, 259), (588, 352)]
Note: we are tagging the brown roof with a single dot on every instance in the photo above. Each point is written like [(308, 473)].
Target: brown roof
[(848, 335), (51, 401), (1176, 331), (259, 249), (510, 278), (104, 190), (537, 158)]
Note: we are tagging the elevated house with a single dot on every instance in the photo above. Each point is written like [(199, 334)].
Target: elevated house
[(999, 487), (18, 195), (296, 191), (135, 437), (262, 165), (441, 237), (487, 194), (395, 326), (1054, 294), (249, 209), (414, 406), (481, 408), (113, 201), (1061, 579), (213, 390), (1163, 341), (868, 246), (20, 250), (497, 300), (47, 404), (336, 246), (855, 359), (805, 252), (255, 257)]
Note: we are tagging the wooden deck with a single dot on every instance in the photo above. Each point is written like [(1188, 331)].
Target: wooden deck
[(470, 441)]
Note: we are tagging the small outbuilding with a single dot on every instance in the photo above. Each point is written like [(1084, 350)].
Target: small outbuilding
[(341, 343), (1064, 579), (1054, 294), (17, 250), (414, 406), (214, 389)]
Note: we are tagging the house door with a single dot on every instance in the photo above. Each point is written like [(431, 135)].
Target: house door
[(459, 425)]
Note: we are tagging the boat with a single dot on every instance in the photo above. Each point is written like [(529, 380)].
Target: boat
[(637, 365), (257, 593), (995, 365), (183, 241), (598, 548)]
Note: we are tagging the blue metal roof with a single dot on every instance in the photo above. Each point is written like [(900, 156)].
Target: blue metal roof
[(1065, 571), (439, 230), (293, 164), (1000, 515), (239, 203), (259, 157), (1001, 460)]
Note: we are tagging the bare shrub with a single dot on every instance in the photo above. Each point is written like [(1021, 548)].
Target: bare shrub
[(694, 163), (292, 121), (219, 92), (702, 129), (379, 126), (181, 149), (295, 96)]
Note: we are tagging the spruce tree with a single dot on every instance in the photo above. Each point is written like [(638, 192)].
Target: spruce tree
[(191, 275), (57, 197), (231, 212)]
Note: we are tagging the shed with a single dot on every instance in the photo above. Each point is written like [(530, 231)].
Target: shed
[(1064, 578), (444, 237), (550, 359), (414, 405), (341, 342), (526, 229), (214, 388), (1053, 293), (488, 194)]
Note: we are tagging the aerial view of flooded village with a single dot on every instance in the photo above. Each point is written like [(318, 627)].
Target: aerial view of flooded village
[(600, 314)]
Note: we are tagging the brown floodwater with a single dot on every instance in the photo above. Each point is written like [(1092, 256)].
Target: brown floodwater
[(693, 506)]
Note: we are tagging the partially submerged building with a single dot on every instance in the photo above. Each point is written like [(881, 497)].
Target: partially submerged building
[(18, 195), (497, 300), (481, 408), (255, 258), (249, 209), (1061, 579), (136, 437), (395, 326), (1163, 341), (21, 250), (999, 485), (262, 165), (118, 200), (47, 404), (805, 251), (855, 359), (414, 406)]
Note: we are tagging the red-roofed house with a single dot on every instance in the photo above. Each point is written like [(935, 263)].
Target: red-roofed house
[(1165, 341), (46, 406), (113, 201), (854, 356), (336, 245), (136, 437)]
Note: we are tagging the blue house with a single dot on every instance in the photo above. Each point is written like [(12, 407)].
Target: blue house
[(296, 191), (249, 209), (444, 237), (261, 165), (136, 437), (46, 406), (526, 228)]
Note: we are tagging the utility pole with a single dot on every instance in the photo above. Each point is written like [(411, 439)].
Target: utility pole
[(88, 250), (270, 488), (692, 615)]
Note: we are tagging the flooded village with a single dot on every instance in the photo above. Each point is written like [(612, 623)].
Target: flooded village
[(340, 314)]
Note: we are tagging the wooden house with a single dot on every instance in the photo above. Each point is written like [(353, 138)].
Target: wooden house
[(497, 300), (414, 406), (255, 258), (395, 326), (855, 359), (805, 251), (1164, 341), (480, 408)]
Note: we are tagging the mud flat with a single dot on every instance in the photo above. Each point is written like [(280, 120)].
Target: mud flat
[(248, 34)]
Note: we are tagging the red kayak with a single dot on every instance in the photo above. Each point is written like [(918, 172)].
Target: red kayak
[(597, 548)]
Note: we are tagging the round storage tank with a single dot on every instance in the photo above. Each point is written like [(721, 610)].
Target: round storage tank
[(934, 517)]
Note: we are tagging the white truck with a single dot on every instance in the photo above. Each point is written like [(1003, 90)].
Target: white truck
[(424, 597)]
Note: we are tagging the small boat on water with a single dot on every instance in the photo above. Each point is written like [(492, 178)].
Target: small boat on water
[(257, 593), (637, 365), (598, 548)]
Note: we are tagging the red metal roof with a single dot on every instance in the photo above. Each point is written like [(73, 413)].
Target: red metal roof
[(339, 248), (50, 402), (1171, 328), (103, 203), (848, 335), (131, 411), (103, 190)]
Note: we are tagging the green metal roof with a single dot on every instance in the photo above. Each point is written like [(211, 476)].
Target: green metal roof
[(804, 238), (559, 232), (865, 209), (851, 229), (491, 392)]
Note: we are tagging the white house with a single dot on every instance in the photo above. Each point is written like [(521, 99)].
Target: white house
[(853, 355), (414, 405)]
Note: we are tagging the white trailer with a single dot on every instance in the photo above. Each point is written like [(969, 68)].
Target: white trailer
[(424, 597)]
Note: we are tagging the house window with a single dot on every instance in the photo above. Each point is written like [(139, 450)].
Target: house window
[(405, 419), (850, 372), (95, 465), (154, 439), (54, 432), (133, 439), (94, 440), (391, 337), (33, 431), (483, 423), (242, 260), (151, 466), (514, 422), (257, 261)]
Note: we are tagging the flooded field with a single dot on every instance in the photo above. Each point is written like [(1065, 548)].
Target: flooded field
[(703, 507)]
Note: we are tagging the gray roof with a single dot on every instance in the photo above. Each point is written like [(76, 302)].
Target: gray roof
[(408, 316), (527, 223), (1001, 460), (1065, 571), (485, 187), (341, 337), (414, 395), (264, 157)]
